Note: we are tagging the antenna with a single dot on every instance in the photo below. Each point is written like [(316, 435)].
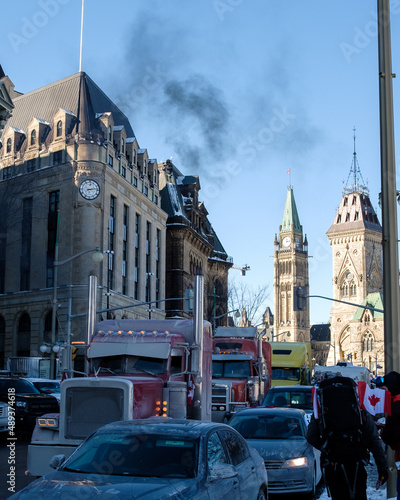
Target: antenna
[(355, 159), (81, 44)]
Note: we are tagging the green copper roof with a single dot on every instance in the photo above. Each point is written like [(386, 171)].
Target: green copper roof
[(290, 215), (372, 300)]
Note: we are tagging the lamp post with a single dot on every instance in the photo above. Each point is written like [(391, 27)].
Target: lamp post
[(236, 311), (274, 337), (97, 257)]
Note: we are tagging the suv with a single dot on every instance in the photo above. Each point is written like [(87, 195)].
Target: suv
[(26, 401)]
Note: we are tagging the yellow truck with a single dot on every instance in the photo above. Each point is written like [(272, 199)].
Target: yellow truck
[(291, 363)]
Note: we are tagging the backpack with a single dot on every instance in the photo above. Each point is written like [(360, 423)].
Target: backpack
[(341, 422)]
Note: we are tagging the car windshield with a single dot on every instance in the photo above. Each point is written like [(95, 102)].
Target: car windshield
[(268, 426), (230, 369), (48, 387), (291, 398), (130, 364), (144, 455), (20, 386), (285, 374)]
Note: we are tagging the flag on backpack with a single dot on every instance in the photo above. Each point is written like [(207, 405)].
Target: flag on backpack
[(374, 400)]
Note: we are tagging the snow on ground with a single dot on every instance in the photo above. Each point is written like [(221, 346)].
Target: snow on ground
[(372, 494)]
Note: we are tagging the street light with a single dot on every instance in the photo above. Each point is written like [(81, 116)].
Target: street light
[(97, 257), (278, 335), (236, 311)]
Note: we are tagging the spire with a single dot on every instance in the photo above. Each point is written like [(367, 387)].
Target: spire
[(86, 117), (290, 217), (358, 185)]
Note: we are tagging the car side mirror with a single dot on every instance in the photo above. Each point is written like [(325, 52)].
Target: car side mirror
[(56, 461), (222, 471)]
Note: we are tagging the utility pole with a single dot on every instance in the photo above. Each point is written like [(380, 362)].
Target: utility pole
[(389, 193)]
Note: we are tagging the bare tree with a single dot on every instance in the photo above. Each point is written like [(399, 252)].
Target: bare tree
[(243, 296)]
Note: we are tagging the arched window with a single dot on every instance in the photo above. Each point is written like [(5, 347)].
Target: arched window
[(59, 128), (9, 145), (33, 137), (345, 289), (24, 336), (368, 342), (353, 289)]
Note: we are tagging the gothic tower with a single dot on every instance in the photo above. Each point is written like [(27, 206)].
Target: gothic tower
[(290, 270), (355, 237)]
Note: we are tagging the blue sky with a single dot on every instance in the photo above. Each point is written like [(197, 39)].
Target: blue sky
[(236, 91)]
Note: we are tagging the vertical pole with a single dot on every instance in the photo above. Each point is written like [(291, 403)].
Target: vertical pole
[(81, 43), (69, 348), (389, 198), (54, 308), (197, 354), (91, 315)]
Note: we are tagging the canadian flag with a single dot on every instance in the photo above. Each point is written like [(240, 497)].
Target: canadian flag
[(191, 387), (373, 400), (315, 402)]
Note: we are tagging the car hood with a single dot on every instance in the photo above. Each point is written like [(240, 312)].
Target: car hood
[(64, 485), (276, 449)]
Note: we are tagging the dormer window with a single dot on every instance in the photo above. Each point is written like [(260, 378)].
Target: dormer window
[(122, 146), (9, 143), (59, 128), (109, 133), (33, 137)]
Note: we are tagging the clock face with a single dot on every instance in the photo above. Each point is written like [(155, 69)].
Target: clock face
[(89, 189), (286, 241)]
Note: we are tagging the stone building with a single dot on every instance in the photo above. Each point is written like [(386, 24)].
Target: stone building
[(72, 179), (192, 247), (356, 239), (7, 93), (290, 270)]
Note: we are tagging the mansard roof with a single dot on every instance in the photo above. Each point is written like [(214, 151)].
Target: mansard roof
[(355, 213), (290, 217), (76, 93)]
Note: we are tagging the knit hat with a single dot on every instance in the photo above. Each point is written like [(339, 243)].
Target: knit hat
[(392, 382)]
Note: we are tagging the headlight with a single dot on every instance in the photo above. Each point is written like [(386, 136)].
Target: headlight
[(47, 422), (295, 462), (21, 404)]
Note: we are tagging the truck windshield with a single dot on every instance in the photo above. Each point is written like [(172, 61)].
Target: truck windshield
[(285, 373), (230, 369), (130, 364)]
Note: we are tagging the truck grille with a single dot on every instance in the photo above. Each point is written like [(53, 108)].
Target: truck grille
[(219, 395), (88, 408)]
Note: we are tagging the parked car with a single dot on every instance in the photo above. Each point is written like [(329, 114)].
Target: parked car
[(47, 386), (156, 458), (291, 396), (279, 435), (4, 412), (26, 401)]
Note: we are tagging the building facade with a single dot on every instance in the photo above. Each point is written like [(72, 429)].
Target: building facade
[(193, 247), (290, 271), (72, 179), (356, 239)]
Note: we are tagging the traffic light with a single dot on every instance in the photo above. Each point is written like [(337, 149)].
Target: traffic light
[(299, 298)]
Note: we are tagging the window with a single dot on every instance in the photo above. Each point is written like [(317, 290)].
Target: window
[(236, 446), (135, 181), (146, 190), (215, 451), (345, 201), (137, 255), (123, 171), (9, 142), (24, 336), (109, 133), (30, 166), (52, 225), (26, 243), (59, 128), (368, 342), (6, 173), (111, 238), (57, 158), (122, 146), (110, 161), (155, 199), (33, 137)]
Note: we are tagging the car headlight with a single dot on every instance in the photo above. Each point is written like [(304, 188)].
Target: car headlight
[(295, 462), (21, 404)]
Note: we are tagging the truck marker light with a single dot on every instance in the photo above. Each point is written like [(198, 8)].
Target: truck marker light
[(130, 332), (164, 408), (164, 403), (119, 332), (154, 333), (158, 403), (166, 333), (158, 408), (142, 332)]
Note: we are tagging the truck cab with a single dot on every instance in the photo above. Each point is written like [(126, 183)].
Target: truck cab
[(291, 363)]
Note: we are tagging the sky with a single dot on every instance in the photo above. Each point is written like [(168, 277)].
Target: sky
[(238, 92)]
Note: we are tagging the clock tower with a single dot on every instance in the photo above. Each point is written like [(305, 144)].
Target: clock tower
[(290, 270)]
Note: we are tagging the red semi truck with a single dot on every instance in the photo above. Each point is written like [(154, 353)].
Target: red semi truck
[(138, 369), (241, 370)]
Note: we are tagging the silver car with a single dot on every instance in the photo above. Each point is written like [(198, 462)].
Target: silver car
[(279, 435), (156, 458)]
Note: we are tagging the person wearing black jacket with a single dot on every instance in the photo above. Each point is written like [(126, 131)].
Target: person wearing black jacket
[(348, 480), (391, 432)]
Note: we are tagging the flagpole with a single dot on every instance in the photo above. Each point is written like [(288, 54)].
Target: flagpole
[(81, 43)]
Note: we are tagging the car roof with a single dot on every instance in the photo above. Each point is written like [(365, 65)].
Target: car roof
[(288, 388), (192, 428), (284, 412)]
